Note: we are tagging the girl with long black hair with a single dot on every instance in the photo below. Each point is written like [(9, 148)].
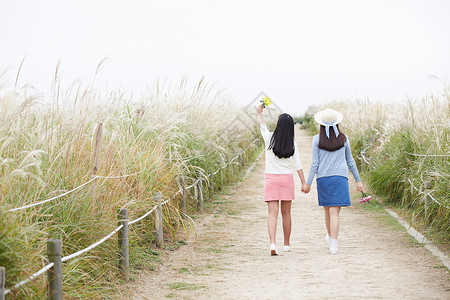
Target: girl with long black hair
[(331, 161), (281, 150)]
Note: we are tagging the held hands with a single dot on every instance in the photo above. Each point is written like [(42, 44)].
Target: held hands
[(359, 186), (306, 188)]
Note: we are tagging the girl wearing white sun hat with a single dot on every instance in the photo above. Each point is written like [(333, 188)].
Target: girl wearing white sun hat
[(331, 160)]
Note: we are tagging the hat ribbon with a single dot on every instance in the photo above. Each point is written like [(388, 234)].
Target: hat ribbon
[(327, 128)]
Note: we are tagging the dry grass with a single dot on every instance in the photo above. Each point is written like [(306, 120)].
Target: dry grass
[(47, 147), (405, 141)]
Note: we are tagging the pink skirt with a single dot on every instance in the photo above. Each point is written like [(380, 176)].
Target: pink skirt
[(279, 187)]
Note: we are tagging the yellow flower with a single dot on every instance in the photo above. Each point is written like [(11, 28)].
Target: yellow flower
[(265, 101)]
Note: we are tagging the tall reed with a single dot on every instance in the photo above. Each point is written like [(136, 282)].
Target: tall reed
[(407, 145), (47, 147)]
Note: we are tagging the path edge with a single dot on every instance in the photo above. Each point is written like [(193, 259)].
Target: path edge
[(421, 239)]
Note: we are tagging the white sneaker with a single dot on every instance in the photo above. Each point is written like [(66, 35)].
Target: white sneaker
[(333, 249), (286, 248), (327, 238), (273, 249)]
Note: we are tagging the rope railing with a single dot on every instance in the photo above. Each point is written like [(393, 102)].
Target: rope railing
[(48, 267), (72, 190), (427, 194), (427, 155), (25, 281), (363, 157), (78, 253), (120, 176), (53, 198), (234, 158), (224, 166), (143, 216), (192, 185)]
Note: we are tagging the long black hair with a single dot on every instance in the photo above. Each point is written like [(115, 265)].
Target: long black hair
[(282, 141), (333, 143)]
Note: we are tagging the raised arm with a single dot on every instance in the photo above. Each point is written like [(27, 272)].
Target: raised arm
[(259, 111)]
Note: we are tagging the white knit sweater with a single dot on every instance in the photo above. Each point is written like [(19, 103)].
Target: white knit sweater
[(274, 164)]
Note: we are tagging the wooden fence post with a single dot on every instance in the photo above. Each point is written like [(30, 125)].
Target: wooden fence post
[(158, 220), (2, 283), (183, 197), (427, 185), (98, 141), (241, 159), (232, 169), (221, 180), (124, 258), (211, 183), (200, 192), (54, 274)]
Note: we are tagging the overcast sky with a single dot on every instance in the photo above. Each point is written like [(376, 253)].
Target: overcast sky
[(300, 53)]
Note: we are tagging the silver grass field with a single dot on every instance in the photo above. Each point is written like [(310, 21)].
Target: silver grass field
[(406, 146), (50, 145)]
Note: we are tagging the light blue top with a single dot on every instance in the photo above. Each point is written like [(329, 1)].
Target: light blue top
[(331, 163)]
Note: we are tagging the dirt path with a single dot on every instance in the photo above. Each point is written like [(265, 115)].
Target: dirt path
[(230, 257)]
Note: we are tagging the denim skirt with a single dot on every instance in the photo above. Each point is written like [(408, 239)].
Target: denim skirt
[(333, 191)]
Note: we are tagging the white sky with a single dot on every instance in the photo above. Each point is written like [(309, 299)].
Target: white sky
[(299, 52)]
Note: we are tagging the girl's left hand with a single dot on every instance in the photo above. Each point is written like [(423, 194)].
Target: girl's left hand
[(359, 186)]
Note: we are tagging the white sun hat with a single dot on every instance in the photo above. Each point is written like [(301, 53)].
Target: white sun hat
[(329, 118)]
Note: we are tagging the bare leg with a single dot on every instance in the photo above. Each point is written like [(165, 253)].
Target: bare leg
[(272, 220), (334, 221), (327, 219), (286, 214)]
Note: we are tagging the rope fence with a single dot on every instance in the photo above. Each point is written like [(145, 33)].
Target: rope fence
[(364, 159), (53, 198), (123, 176), (72, 190), (427, 199), (427, 194), (54, 247), (143, 216), (35, 275), (233, 159), (192, 185), (78, 253), (427, 155)]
